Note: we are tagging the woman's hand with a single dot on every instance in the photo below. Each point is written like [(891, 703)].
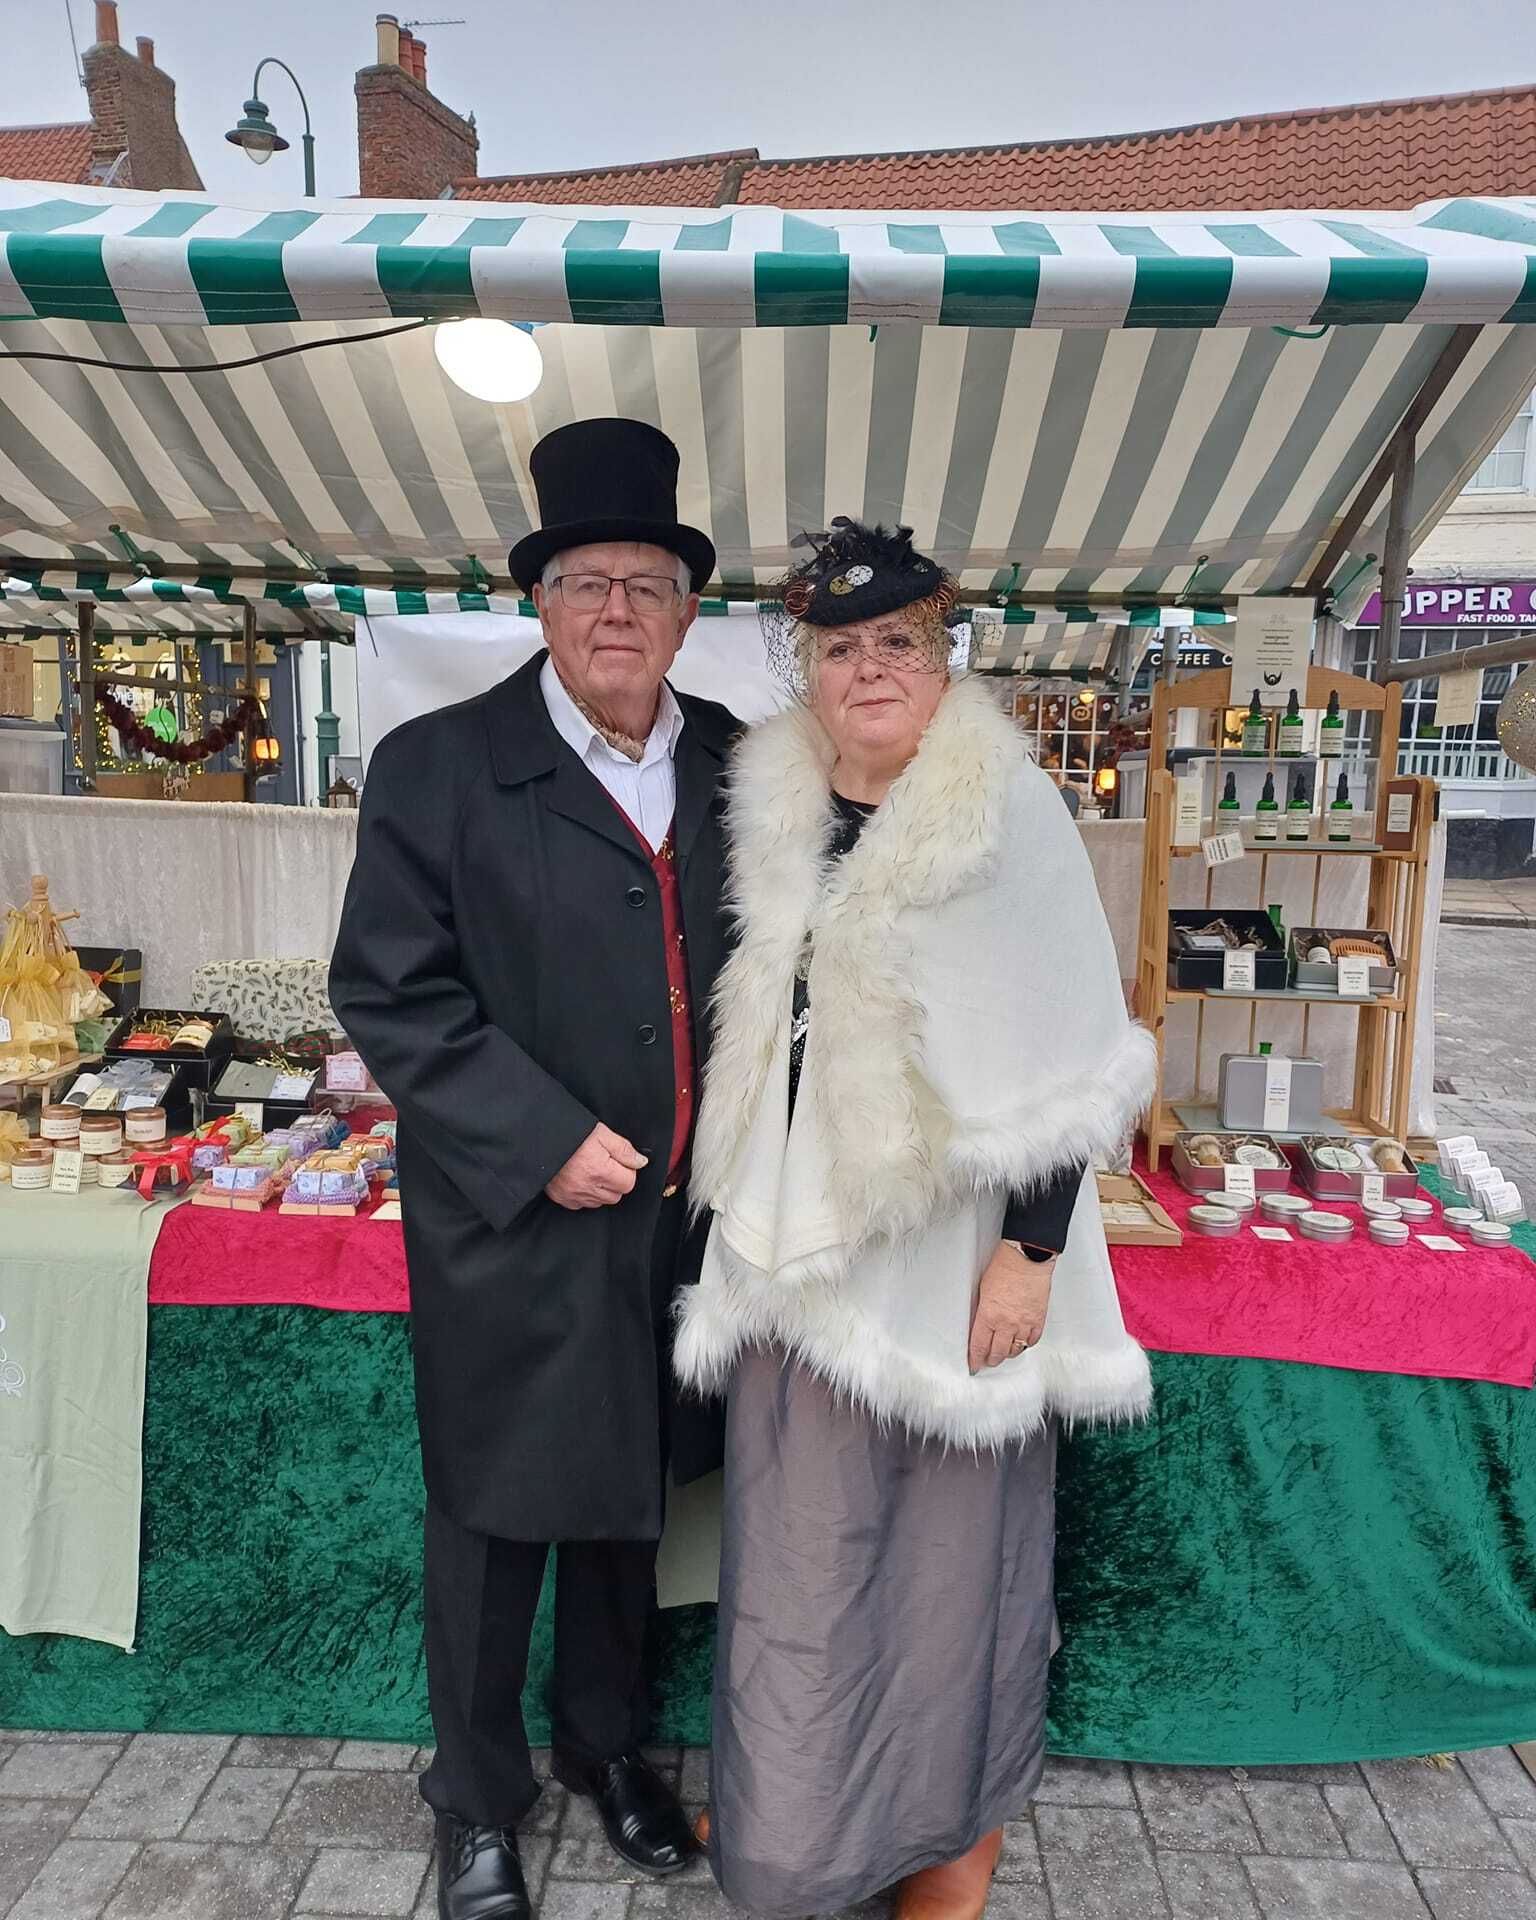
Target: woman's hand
[(1010, 1308)]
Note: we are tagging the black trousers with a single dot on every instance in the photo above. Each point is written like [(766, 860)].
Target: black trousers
[(481, 1597)]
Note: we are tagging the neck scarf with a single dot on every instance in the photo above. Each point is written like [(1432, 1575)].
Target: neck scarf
[(621, 742)]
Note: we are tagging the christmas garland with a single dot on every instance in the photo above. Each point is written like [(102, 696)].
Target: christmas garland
[(133, 733)]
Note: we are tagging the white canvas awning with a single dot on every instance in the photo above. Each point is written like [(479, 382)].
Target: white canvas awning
[(1075, 408)]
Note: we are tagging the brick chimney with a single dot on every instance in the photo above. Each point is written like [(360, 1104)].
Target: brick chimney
[(135, 139), (409, 145)]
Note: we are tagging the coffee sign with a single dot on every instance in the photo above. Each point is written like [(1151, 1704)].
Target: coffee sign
[(1461, 603)]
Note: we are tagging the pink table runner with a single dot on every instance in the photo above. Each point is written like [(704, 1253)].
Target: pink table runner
[(1454, 1316), (1458, 1316)]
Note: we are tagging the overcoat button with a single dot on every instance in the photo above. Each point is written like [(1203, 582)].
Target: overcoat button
[(646, 1035), (636, 896)]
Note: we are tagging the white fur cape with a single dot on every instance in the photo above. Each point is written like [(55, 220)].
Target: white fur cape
[(968, 1036)]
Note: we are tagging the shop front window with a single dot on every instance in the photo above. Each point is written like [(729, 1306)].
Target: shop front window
[(1457, 753), (1509, 468)]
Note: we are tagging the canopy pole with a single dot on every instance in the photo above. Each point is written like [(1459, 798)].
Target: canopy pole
[(1394, 552), (85, 694), (1439, 377), (327, 725), (1498, 653), (248, 686)]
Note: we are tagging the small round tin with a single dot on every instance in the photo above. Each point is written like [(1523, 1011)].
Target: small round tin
[(1389, 1233), (1463, 1218), (1251, 1154), (1381, 1209), (1413, 1206), (1316, 1224), (1235, 1202), (1338, 1159), (1283, 1206), (1490, 1233), (1216, 1223)]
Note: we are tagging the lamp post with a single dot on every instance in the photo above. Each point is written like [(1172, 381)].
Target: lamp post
[(255, 132)]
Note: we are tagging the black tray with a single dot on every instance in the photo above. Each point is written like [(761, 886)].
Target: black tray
[(1205, 970)]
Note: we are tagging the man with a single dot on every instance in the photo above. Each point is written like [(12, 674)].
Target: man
[(529, 938)]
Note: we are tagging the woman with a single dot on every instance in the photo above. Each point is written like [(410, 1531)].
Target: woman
[(920, 1044)]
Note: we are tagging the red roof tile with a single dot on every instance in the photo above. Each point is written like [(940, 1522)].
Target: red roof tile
[(1386, 153), (47, 153), (1391, 153), (702, 180)]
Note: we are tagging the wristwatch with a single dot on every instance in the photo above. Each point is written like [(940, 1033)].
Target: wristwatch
[(1039, 1255)]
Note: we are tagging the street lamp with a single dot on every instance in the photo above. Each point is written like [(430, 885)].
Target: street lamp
[(255, 132)]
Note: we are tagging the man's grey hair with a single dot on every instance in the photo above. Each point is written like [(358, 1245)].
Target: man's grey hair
[(556, 565)]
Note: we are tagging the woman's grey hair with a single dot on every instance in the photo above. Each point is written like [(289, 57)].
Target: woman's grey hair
[(555, 566)]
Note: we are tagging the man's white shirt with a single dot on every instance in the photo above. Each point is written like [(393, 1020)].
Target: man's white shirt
[(645, 788)]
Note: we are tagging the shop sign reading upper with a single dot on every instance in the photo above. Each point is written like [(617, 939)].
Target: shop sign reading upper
[(1461, 603)]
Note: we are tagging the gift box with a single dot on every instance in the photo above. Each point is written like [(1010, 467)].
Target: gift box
[(1189, 970), (1341, 1183), (1209, 1181), (1325, 973), (118, 971), (135, 1038)]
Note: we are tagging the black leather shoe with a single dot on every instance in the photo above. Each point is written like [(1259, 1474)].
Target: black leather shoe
[(479, 1874), (642, 1817)]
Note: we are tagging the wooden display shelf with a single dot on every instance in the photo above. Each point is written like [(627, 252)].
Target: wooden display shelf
[(1297, 996), (1396, 891)]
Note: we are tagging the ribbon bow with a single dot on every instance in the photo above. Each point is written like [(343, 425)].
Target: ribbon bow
[(175, 1158)]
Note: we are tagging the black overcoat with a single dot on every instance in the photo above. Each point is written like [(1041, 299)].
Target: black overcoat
[(501, 968)]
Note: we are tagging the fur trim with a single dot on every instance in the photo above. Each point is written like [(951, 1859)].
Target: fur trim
[(987, 1411), (895, 1156), (1020, 1149)]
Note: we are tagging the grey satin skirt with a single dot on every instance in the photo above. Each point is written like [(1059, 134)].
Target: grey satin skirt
[(885, 1631)]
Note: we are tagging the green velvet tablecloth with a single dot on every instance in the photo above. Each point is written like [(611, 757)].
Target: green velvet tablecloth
[(1286, 1564)]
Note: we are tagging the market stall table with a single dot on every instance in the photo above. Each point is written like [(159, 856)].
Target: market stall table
[(1288, 1563)]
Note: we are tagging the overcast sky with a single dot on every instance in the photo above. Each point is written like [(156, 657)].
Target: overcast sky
[(561, 83)]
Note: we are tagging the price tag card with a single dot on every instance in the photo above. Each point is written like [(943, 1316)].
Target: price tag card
[(66, 1172), (1399, 813), (1238, 1180), (101, 1100), (1354, 976), (250, 1112), (5, 1030), (1277, 1094), (1373, 1186), (292, 1086), (1441, 1243), (1270, 1233), (1237, 972), (1188, 793), (1222, 847)]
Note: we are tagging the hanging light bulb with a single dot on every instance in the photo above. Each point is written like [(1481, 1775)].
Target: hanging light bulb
[(491, 359)]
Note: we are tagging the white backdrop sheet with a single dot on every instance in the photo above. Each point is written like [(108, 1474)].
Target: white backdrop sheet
[(189, 884), (414, 662)]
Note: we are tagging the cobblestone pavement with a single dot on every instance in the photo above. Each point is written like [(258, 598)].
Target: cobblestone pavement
[(197, 1827), (1485, 1044), (188, 1827)]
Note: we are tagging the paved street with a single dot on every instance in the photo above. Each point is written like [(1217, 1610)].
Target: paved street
[(165, 1827)]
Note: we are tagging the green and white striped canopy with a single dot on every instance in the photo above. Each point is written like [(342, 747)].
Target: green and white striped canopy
[(1074, 408)]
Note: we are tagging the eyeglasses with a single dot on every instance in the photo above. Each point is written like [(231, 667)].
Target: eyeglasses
[(588, 592), (893, 651)]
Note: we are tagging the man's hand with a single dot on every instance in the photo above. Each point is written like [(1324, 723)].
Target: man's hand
[(599, 1173), (1010, 1307)]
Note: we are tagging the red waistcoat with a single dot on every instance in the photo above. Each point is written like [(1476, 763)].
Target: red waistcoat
[(664, 867)]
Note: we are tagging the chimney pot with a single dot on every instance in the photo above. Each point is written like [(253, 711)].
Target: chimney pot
[(388, 29), (146, 49), (421, 61), (106, 23)]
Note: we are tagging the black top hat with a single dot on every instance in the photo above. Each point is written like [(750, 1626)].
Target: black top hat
[(607, 480), (858, 572)]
